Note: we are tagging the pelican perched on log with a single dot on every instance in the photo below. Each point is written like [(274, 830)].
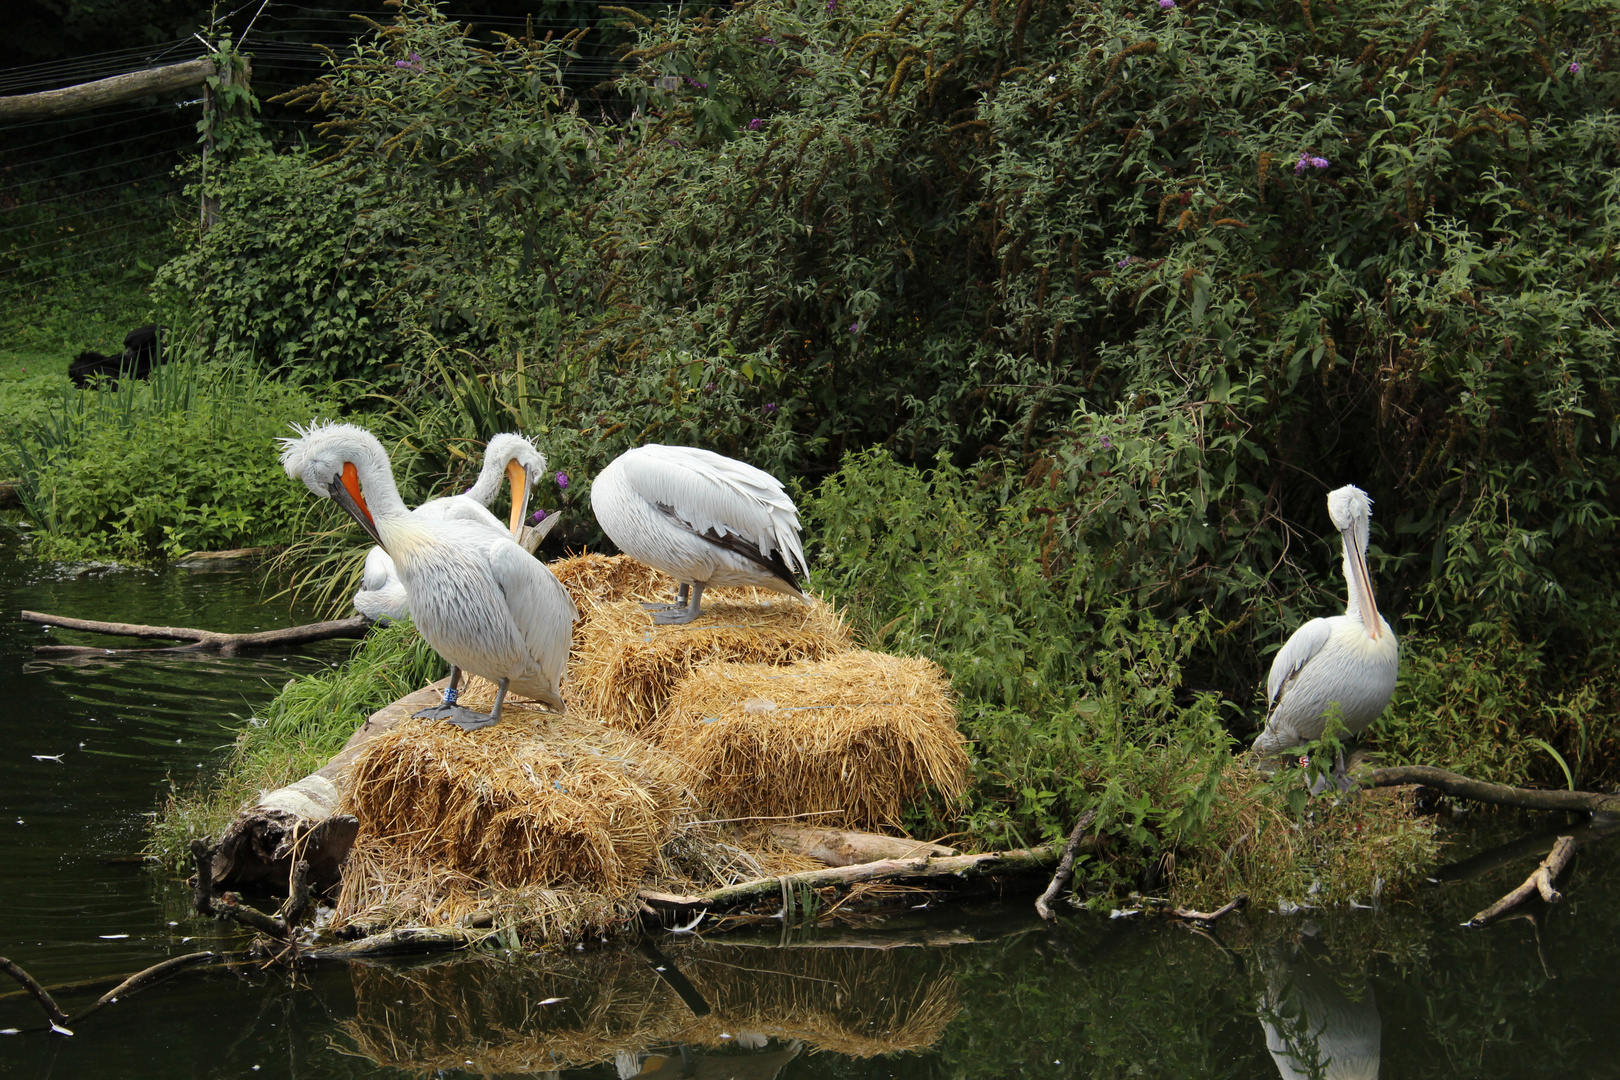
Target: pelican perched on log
[(701, 518), (481, 601), (507, 456), (1349, 660)]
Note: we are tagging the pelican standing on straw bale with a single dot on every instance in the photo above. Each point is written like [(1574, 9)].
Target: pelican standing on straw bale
[(508, 456), (481, 601), (701, 518), (1349, 660)]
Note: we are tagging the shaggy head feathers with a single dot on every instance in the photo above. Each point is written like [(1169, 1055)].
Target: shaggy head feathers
[(317, 455)]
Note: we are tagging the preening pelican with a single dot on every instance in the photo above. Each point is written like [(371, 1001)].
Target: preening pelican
[(507, 456), (701, 518), (481, 601), (1350, 660), (1313, 1027)]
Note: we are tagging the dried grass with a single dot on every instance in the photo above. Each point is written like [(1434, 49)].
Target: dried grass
[(483, 1016), (539, 814), (594, 580), (624, 667), (850, 739)]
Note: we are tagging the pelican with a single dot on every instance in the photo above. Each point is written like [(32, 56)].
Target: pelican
[(701, 518), (509, 456), (481, 601), (1348, 660)]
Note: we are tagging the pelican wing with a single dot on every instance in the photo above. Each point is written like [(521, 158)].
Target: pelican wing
[(540, 605), (1296, 652), (719, 498), (379, 569)]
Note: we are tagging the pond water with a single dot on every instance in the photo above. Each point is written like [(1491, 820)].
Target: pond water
[(968, 992)]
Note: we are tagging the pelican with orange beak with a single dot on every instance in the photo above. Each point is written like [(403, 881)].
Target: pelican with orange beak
[(1349, 660), (478, 599), (507, 456)]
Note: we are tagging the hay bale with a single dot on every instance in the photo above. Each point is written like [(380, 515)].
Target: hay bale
[(624, 667), (850, 739), (593, 580), (537, 814)]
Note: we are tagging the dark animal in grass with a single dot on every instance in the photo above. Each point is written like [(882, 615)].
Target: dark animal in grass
[(141, 352)]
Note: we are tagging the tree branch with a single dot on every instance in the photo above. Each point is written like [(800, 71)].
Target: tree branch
[(201, 640), (1065, 867), (1482, 791), (53, 1011), (92, 95), (1540, 880)]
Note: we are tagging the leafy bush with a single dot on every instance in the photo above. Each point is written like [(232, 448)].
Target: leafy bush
[(178, 463)]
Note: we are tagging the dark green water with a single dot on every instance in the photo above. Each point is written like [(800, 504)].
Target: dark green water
[(970, 993)]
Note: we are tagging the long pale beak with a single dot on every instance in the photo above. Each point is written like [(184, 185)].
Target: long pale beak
[(345, 491), (518, 477), (1361, 582)]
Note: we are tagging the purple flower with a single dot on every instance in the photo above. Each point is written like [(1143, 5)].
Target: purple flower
[(1574, 66), (755, 124), (769, 407), (855, 327), (1307, 160), (832, 6), (562, 481), (707, 387), (766, 40), (1126, 261), (1166, 5), (413, 64), (695, 83), (537, 517), (1107, 443)]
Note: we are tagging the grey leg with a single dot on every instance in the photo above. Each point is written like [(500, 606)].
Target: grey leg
[(680, 601), (448, 708), (680, 616)]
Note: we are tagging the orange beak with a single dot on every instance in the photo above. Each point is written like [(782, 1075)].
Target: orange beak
[(518, 477), (345, 491)]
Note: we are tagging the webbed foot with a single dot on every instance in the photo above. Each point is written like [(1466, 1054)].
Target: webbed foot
[(464, 718), (676, 616)]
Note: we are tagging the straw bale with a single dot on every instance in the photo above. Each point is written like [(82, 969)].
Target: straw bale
[(537, 813), (624, 667), (843, 742), (594, 580)]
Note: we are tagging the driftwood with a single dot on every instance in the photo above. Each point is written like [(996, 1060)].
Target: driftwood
[(59, 1020), (201, 640), (93, 95), (1065, 867), (991, 864), (1540, 881), (1237, 903), (1482, 791), (843, 847)]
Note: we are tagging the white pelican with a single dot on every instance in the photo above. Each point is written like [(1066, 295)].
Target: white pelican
[(481, 601), (1349, 660), (508, 456), (701, 518)]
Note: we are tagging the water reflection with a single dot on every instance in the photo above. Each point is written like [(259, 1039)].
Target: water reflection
[(546, 1014), (1319, 1023)]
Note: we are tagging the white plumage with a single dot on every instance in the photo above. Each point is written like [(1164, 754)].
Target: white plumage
[(703, 519), (382, 595), (1350, 660), (480, 600)]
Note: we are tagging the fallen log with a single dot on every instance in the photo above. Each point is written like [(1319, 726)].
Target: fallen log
[(201, 640), (94, 95), (1483, 791), (1540, 881), (990, 864), (844, 847)]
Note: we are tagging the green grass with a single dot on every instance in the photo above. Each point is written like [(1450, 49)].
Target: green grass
[(306, 724)]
